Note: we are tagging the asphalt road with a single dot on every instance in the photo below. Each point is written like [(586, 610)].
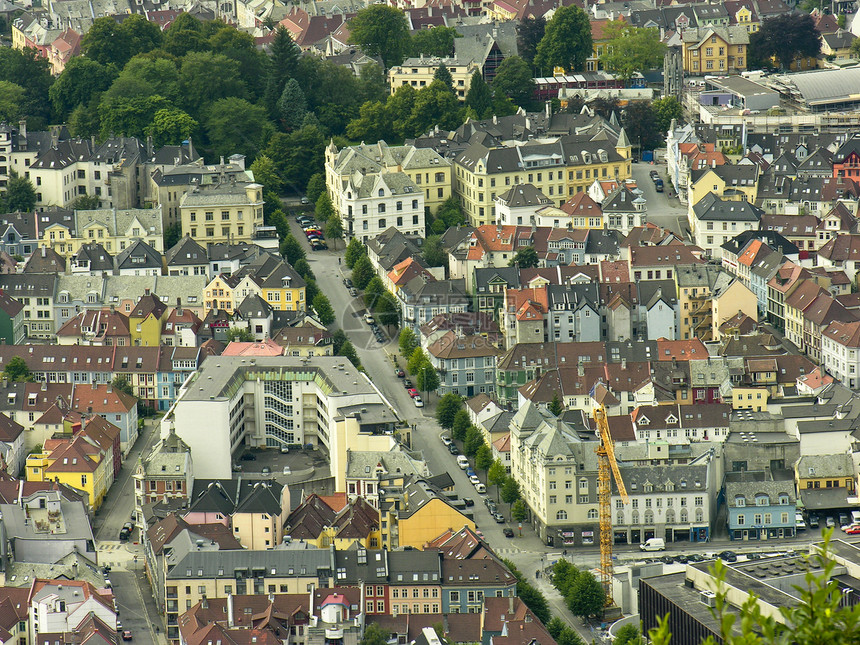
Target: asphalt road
[(663, 210)]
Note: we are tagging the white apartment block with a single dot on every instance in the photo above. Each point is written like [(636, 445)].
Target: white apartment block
[(840, 352)]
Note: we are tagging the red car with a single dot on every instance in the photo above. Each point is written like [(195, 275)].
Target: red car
[(126, 635), (412, 392), (400, 373), (854, 529)]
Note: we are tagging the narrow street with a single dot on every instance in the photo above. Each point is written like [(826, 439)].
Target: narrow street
[(663, 210)]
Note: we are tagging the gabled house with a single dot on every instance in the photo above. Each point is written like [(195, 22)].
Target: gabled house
[(146, 320), (187, 257)]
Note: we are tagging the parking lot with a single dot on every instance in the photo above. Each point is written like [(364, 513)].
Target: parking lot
[(301, 463)]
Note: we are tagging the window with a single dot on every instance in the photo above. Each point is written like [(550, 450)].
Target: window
[(561, 515)]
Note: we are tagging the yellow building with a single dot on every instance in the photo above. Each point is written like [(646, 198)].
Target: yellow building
[(707, 297), (750, 398), (258, 521), (423, 523), (222, 213), (268, 276), (715, 50), (727, 182), (81, 465), (113, 229), (825, 471), (430, 172), (328, 521), (419, 73), (146, 321), (559, 169)]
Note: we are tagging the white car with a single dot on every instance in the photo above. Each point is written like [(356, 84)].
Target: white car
[(474, 479), (287, 470), (446, 440), (418, 402), (368, 319)]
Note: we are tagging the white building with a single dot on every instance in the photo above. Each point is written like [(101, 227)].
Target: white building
[(840, 351), (519, 205), (715, 221), (371, 203), (63, 606), (277, 401)]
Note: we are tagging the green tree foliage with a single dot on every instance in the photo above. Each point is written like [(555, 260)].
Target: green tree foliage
[(333, 226), (566, 42), (184, 35), (278, 219), (86, 203), (281, 66), (354, 250), (298, 155), (371, 124), (324, 310), (239, 335), (564, 576), (171, 126), (362, 272), (433, 252), (435, 105), (510, 491), (338, 338), (514, 80), (373, 291), (587, 597), (292, 106), (144, 76), (235, 126), (555, 626), (479, 98), (291, 250), (496, 474), (12, 97), (525, 258), (628, 635), (530, 32), (438, 41), (323, 208), (447, 408), (605, 107), (666, 109), (631, 49), (122, 384), (374, 635), (80, 80), (569, 636), (473, 441), (447, 215), (303, 268), (381, 31), (443, 75), (311, 289), (373, 84), (640, 123), (347, 350), (427, 378), (266, 173), (407, 341), (16, 370), (19, 195), (387, 309), (109, 42), (519, 511), (555, 406), (172, 235), (27, 69), (460, 425), (841, 21), (204, 78), (240, 47), (316, 187), (483, 457), (784, 38), (129, 116), (532, 598)]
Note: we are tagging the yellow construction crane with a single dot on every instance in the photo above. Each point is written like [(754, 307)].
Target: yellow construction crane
[(607, 467)]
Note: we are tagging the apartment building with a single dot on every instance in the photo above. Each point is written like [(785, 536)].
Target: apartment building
[(278, 401), (715, 50), (115, 230), (227, 212), (419, 73), (708, 296)]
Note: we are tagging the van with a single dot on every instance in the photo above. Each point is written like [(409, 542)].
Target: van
[(855, 517), (480, 488), (462, 462), (653, 544)]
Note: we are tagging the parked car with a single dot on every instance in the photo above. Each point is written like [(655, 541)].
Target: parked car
[(305, 200), (407, 383), (124, 534), (454, 450), (348, 283), (813, 520), (412, 392), (399, 373), (126, 634), (474, 479), (508, 532), (249, 456), (468, 501), (829, 522), (500, 519), (318, 245), (728, 556), (266, 470), (418, 402), (353, 292), (843, 519), (658, 185), (446, 440), (853, 529), (288, 470), (368, 319), (654, 175)]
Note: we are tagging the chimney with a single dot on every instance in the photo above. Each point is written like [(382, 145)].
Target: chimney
[(624, 363), (22, 133), (44, 251), (178, 306), (146, 291), (230, 622), (150, 149)]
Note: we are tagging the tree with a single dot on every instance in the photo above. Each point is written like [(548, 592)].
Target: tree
[(530, 32), (282, 66), (569, 637), (87, 203), (103, 43), (292, 106), (525, 258), (145, 76), (496, 474), (266, 173), (387, 309), (362, 272), (303, 268), (373, 85), (628, 635), (427, 378), (555, 627), (20, 194), (81, 78), (604, 106), (298, 155), (514, 80), (510, 491), (204, 78), (532, 598), (564, 576), (28, 69), (566, 42), (398, 108), (16, 370), (435, 105), (311, 289), (347, 350), (640, 123), (407, 341), (587, 597), (12, 98), (316, 187), (333, 226), (235, 126), (631, 49), (443, 75), (841, 21), (381, 31), (447, 408), (373, 291), (460, 425), (555, 405), (171, 126), (338, 338), (484, 457), (324, 310), (122, 384), (239, 335), (172, 235), (354, 250), (519, 511), (473, 441), (479, 97), (291, 250), (323, 208), (374, 635), (666, 109), (184, 35), (240, 47), (437, 42), (128, 115), (433, 252), (785, 38)]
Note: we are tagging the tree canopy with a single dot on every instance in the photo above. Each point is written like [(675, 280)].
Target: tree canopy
[(631, 49), (381, 31), (514, 80), (566, 42), (530, 31), (784, 38)]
